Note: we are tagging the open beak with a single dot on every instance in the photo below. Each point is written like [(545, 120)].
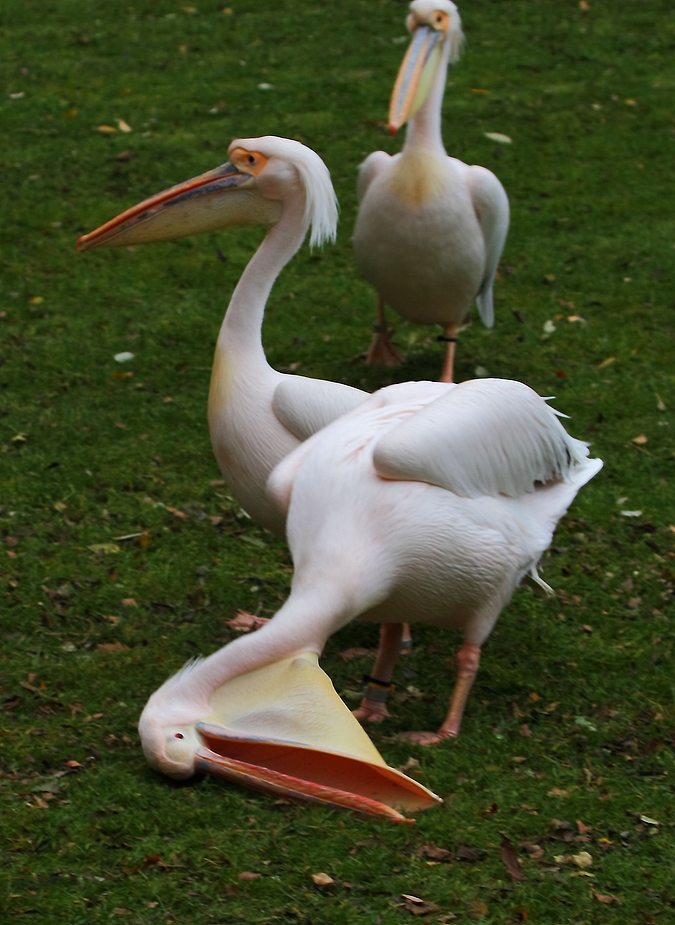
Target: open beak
[(415, 76), (283, 729), (204, 203)]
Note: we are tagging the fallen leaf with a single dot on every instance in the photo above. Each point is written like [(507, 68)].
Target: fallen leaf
[(129, 602), (631, 102), (247, 875), (660, 404), (498, 137), (606, 898), (123, 126), (476, 90), (176, 512), (436, 854), (549, 278), (510, 859), (466, 853), (583, 829), (557, 792), (640, 439), (631, 513), (356, 652), (410, 765), (105, 128), (112, 647), (647, 820), (322, 879), (583, 859), (104, 548), (583, 5), (120, 425), (607, 362), (419, 906), (123, 357), (477, 909)]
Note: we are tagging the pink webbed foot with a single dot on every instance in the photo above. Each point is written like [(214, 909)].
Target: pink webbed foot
[(371, 711), (381, 351), (423, 738)]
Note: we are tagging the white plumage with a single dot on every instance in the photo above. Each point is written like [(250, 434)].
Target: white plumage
[(430, 229)]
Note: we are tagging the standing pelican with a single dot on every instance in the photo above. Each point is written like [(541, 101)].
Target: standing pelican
[(428, 502), (430, 229), (256, 414)]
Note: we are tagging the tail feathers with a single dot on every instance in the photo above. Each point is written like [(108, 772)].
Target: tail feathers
[(485, 306)]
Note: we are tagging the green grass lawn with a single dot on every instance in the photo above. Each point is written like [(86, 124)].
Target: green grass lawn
[(567, 745)]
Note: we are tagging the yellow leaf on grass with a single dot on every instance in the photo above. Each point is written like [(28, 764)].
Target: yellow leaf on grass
[(640, 439), (322, 879), (123, 126), (105, 128), (607, 362)]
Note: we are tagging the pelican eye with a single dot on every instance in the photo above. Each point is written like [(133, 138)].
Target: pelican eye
[(178, 735), (251, 159)]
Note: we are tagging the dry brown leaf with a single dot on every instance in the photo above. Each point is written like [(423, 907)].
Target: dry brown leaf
[(510, 859), (583, 829), (122, 126), (356, 652), (322, 879), (105, 128), (129, 602), (247, 875), (419, 906), (641, 439), (436, 854), (606, 898), (112, 647), (176, 512), (607, 362), (557, 792), (477, 909), (583, 859)]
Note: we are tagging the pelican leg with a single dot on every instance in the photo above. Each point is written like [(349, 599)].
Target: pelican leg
[(468, 660), (375, 711), (406, 640), (449, 338), (382, 352)]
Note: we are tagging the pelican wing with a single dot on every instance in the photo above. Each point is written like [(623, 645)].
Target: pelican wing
[(492, 209), (305, 405), (485, 437), (369, 169)]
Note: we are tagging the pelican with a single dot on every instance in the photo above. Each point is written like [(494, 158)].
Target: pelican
[(256, 414), (430, 229), (428, 502)]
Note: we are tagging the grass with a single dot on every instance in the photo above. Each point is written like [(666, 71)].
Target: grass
[(572, 714)]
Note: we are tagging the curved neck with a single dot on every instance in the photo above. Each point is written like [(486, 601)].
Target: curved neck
[(241, 331), (424, 129)]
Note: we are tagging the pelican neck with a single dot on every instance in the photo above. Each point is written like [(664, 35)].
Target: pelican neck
[(424, 129), (241, 330)]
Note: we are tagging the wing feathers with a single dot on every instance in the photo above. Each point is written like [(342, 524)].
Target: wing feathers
[(305, 405), (485, 437)]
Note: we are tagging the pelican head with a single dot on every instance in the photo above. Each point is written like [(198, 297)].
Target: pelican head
[(281, 729), (250, 188), (437, 37)]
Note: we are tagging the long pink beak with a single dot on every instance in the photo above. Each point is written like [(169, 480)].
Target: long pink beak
[(191, 207), (311, 775)]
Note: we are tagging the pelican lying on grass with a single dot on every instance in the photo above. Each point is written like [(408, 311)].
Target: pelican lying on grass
[(430, 229), (429, 502)]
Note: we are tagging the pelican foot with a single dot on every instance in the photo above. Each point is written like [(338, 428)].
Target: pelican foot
[(382, 352), (371, 711), (244, 622), (423, 738)]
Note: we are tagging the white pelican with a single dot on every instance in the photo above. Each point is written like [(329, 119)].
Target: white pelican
[(430, 229), (256, 414), (429, 502)]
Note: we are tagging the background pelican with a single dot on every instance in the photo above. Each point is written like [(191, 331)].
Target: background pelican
[(430, 229), (427, 502), (256, 414)]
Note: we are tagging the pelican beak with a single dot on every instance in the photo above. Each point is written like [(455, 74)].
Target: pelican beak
[(415, 76), (213, 200), (284, 730)]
